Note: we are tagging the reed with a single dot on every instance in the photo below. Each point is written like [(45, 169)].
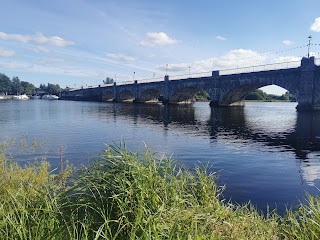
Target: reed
[(133, 195)]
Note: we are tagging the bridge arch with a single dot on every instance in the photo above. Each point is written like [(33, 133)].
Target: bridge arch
[(125, 96), (150, 95), (107, 96), (183, 95), (235, 92)]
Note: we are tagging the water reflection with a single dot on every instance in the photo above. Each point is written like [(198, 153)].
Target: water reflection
[(273, 127), (301, 136)]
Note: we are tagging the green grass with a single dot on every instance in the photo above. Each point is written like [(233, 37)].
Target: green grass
[(129, 195)]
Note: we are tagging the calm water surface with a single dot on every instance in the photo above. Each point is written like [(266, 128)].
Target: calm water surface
[(265, 152)]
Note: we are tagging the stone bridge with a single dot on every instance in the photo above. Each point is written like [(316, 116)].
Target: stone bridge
[(224, 90)]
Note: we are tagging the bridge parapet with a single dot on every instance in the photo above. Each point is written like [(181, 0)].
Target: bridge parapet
[(260, 68), (191, 75)]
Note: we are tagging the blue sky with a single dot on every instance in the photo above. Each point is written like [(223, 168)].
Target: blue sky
[(81, 42)]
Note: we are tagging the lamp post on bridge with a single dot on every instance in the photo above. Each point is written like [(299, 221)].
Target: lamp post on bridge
[(213, 64), (309, 45), (189, 71)]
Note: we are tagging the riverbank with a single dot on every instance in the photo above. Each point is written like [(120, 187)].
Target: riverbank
[(129, 195), (4, 97)]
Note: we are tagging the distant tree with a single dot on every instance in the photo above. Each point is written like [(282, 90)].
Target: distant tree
[(108, 80), (42, 87), (53, 89), (288, 97), (273, 97), (17, 88), (5, 84), (201, 95), (28, 88), (257, 95)]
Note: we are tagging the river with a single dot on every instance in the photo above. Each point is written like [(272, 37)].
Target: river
[(265, 152)]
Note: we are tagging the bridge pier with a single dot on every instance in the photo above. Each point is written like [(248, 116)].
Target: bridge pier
[(214, 92), (308, 99), (214, 103)]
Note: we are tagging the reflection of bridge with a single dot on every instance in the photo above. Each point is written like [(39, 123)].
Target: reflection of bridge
[(224, 88), (302, 137)]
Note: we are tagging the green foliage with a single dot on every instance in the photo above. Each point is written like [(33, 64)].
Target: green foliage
[(108, 81), (304, 223), (128, 195), (287, 97), (5, 84), (50, 88), (28, 88), (15, 86), (201, 95), (257, 95)]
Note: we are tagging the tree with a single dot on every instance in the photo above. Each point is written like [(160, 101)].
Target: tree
[(201, 95), (28, 88), (53, 89), (17, 88), (257, 95), (288, 97), (108, 81), (5, 84)]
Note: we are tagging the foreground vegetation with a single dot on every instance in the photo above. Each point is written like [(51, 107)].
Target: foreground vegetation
[(127, 195)]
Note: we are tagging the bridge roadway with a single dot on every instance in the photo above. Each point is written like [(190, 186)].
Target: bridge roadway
[(224, 90)]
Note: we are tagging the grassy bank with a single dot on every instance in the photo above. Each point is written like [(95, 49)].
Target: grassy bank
[(128, 195)]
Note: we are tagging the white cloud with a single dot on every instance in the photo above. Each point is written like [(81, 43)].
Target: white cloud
[(316, 25), (50, 61), (286, 59), (239, 58), (287, 42), (38, 38), (63, 70), (6, 53), (233, 59), (157, 39), (220, 38), (176, 67), (120, 56), (314, 54), (39, 49)]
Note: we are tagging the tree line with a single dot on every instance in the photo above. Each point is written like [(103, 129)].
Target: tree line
[(15, 86), (259, 95)]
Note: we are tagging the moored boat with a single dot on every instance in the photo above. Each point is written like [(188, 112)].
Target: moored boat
[(20, 97), (50, 97)]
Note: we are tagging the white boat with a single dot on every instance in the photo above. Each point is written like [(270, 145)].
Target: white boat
[(50, 97), (1, 97), (20, 97)]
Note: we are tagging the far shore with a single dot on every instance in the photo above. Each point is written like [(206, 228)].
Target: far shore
[(6, 96)]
